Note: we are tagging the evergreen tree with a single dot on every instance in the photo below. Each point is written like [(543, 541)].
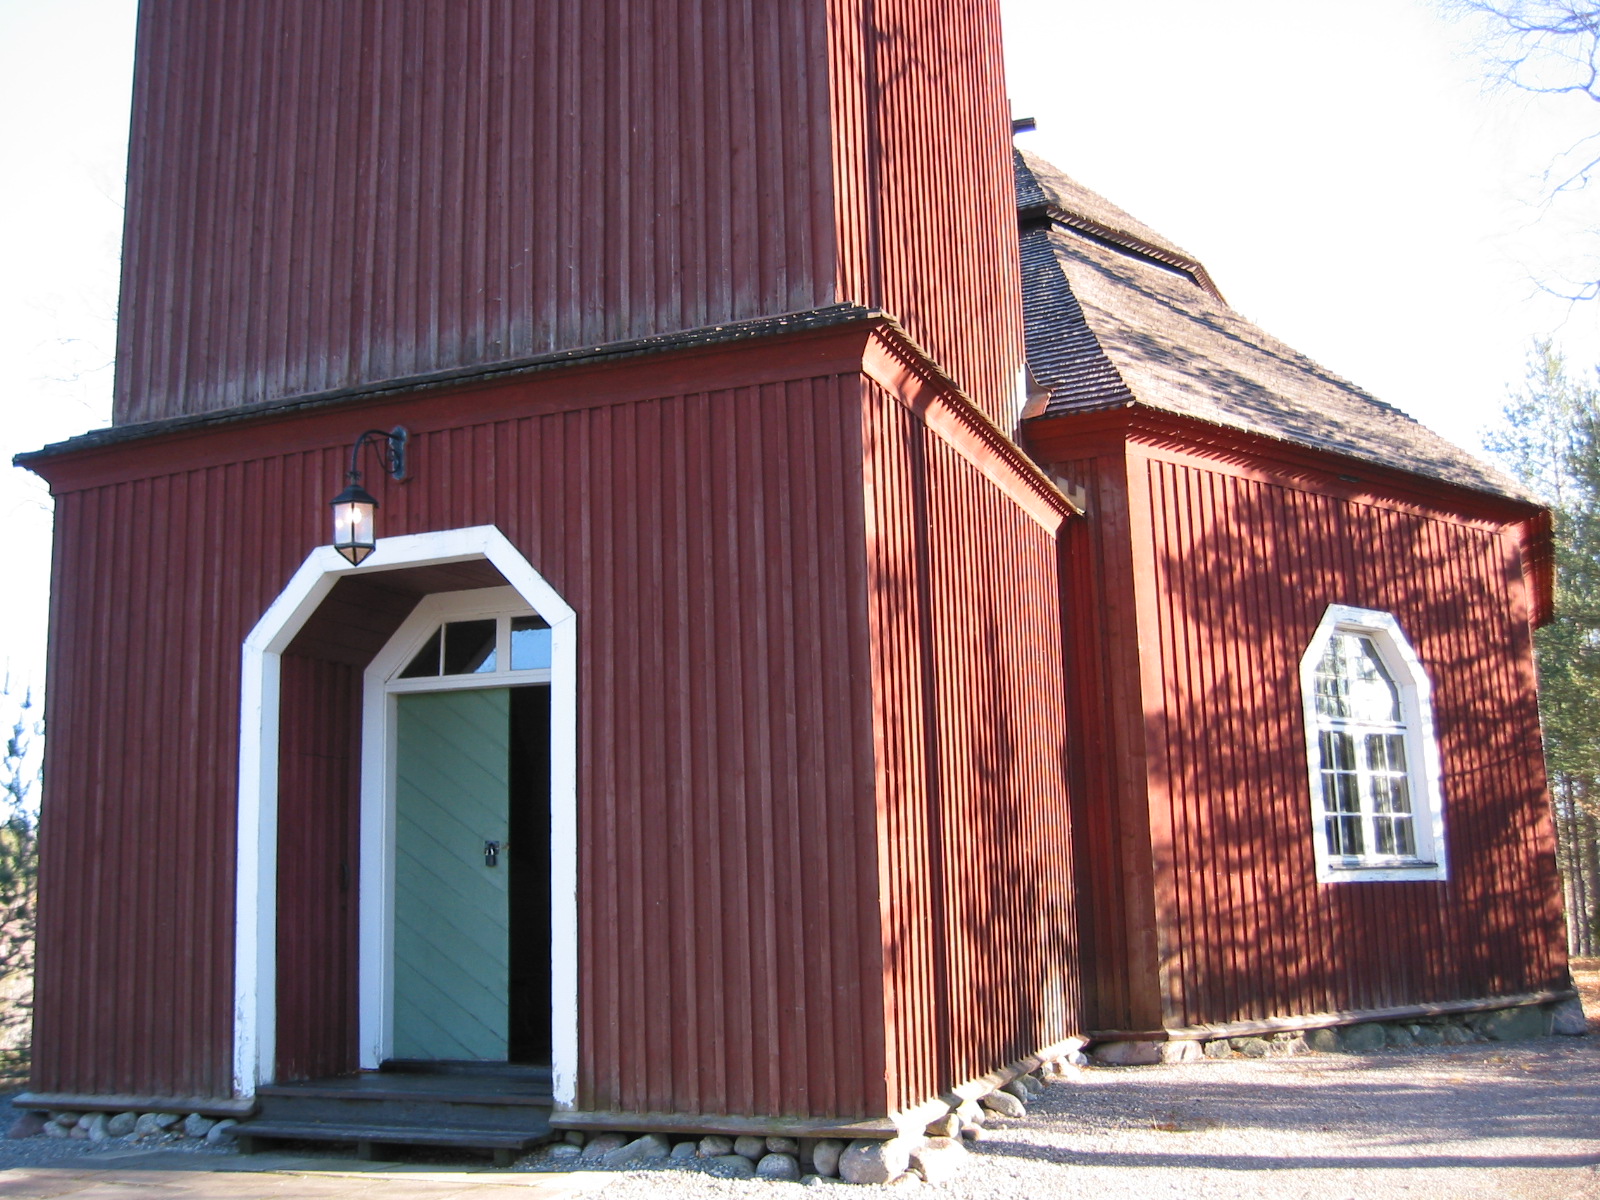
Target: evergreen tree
[(1551, 441), (19, 873)]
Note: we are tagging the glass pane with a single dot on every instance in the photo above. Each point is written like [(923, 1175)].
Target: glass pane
[(426, 663), (469, 647), (1338, 750), (1395, 836), (1344, 836), (1391, 794), (1331, 683), (1352, 682), (1373, 695), (1405, 842), (530, 644)]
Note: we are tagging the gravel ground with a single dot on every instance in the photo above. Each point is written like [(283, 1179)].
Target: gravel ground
[(1500, 1121), (1508, 1121)]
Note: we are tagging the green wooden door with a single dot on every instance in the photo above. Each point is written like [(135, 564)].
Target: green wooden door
[(451, 924)]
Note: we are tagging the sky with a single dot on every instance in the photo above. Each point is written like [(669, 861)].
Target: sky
[(1341, 168)]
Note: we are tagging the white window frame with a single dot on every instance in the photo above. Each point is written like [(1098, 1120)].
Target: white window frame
[(1422, 752)]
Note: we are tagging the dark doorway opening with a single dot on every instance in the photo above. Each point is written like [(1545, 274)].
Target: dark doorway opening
[(528, 860)]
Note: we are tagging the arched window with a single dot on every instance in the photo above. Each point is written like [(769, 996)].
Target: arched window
[(1376, 808)]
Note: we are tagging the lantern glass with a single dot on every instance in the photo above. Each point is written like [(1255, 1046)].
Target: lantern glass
[(355, 533)]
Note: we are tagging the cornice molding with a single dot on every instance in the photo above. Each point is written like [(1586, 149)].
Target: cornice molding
[(899, 366), (1155, 431)]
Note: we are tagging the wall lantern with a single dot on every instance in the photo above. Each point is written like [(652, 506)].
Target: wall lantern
[(355, 533)]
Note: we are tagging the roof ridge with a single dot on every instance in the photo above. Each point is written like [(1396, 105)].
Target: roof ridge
[(1115, 316), (1046, 193), (1192, 267)]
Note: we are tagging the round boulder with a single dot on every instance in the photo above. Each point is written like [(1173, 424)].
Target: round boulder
[(868, 1160), (779, 1166)]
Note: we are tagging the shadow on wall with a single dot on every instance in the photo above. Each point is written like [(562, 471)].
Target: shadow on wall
[(1245, 570), (966, 589)]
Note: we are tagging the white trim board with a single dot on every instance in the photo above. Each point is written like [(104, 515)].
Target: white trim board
[(379, 740), (1422, 747), (255, 937)]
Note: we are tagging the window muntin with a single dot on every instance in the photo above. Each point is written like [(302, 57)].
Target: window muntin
[(1373, 763), (489, 645)]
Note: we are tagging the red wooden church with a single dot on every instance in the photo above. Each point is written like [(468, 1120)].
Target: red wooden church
[(768, 706)]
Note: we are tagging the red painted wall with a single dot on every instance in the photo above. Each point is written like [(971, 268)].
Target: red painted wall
[(328, 193), (323, 193), (1229, 560), (710, 542), (924, 192), (979, 922), (733, 811), (319, 830)]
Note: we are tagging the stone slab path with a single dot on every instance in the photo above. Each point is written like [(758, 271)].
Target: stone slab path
[(178, 1175)]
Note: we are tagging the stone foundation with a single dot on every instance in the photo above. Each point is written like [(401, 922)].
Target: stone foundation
[(130, 1126), (1358, 1037), (934, 1154)]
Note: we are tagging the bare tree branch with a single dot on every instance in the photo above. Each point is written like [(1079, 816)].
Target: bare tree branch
[(1547, 48)]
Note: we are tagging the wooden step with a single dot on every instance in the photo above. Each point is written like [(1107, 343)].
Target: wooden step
[(299, 1093), (467, 1101), (369, 1140), (507, 1073), (506, 1112)]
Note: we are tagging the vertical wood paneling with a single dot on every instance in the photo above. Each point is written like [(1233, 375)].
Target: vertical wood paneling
[(135, 980), (713, 546), (318, 881), (1243, 571), (324, 194), (979, 924), (923, 184), (1118, 951)]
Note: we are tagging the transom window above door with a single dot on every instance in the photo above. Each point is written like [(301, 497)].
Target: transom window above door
[(489, 645)]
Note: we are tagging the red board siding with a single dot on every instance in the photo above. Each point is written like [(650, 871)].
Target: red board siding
[(975, 867), (1243, 569), (1220, 565), (319, 829), (322, 195), (1118, 949), (325, 193), (924, 189), (136, 920), (712, 544)]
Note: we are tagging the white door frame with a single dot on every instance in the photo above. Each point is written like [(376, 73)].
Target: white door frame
[(256, 891), (380, 712)]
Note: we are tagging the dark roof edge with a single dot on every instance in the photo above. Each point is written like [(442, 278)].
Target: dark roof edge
[(1121, 238), (1164, 422), (711, 335)]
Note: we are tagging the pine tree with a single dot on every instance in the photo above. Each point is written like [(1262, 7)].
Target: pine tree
[(19, 874), (1551, 441)]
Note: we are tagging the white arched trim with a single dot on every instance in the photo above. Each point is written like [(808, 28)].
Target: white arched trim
[(255, 939), (1416, 728)]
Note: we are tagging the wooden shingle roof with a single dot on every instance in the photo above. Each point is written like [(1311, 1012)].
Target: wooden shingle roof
[(1117, 315)]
